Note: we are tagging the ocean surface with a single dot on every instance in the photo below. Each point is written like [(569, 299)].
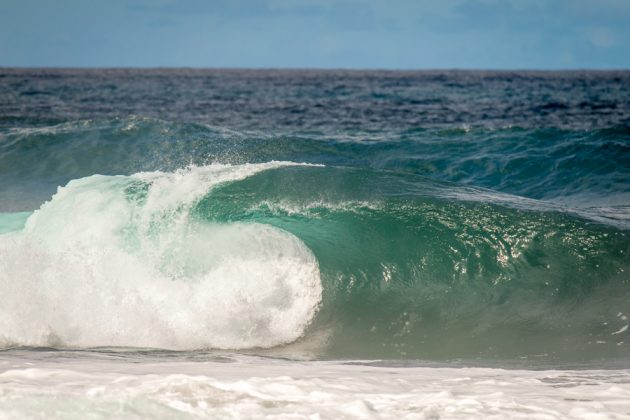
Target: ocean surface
[(181, 243)]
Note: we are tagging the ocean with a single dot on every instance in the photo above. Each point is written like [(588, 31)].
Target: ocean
[(222, 243)]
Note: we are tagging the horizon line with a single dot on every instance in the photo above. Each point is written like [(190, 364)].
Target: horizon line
[(340, 69)]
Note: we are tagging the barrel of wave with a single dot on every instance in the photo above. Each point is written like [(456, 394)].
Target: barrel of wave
[(119, 261)]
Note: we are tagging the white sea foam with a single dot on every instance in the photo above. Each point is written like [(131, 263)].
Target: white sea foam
[(314, 208), (104, 386), (120, 261)]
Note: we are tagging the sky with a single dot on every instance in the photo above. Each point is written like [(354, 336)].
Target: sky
[(370, 34)]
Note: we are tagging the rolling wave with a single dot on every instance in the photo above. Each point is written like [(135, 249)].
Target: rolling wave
[(342, 261)]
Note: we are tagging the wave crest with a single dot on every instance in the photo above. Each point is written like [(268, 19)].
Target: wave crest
[(119, 261)]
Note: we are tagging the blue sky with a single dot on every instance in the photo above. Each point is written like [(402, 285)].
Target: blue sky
[(388, 34)]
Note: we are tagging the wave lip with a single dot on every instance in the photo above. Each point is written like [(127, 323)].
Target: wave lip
[(119, 261)]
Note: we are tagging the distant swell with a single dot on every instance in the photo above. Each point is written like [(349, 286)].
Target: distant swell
[(577, 167)]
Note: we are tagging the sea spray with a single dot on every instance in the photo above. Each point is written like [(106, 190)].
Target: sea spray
[(119, 261)]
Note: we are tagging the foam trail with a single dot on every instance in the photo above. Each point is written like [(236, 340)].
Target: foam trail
[(66, 385), (119, 261)]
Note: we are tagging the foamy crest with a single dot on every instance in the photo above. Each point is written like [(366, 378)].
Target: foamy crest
[(120, 261)]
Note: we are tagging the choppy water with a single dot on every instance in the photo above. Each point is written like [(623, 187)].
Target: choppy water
[(420, 217)]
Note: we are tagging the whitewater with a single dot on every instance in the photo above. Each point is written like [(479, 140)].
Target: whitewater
[(314, 244), (146, 277)]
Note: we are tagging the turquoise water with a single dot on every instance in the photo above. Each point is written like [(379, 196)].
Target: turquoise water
[(358, 215)]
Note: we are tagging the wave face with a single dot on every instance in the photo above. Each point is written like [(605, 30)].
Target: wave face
[(320, 237), (415, 268)]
